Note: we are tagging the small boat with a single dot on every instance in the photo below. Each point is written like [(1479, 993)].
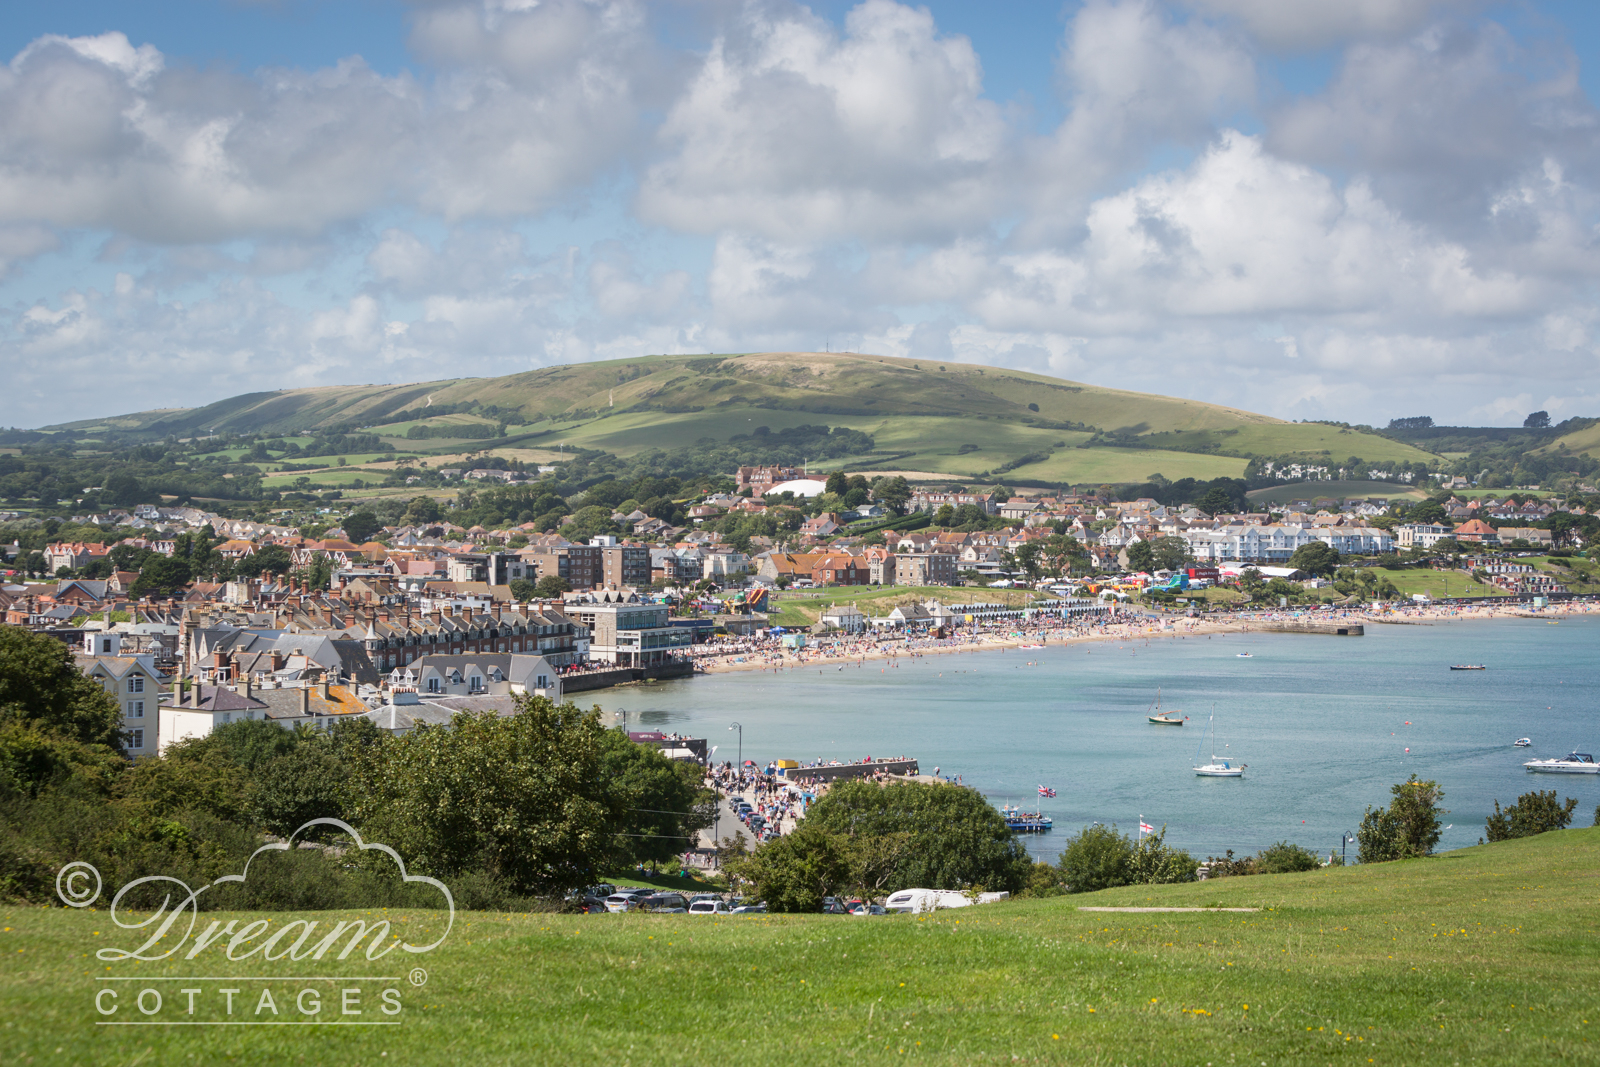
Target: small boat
[(1244, 655), (1522, 742), (1469, 667), (1030, 646), (1025, 822), (1217, 768), (1158, 717), (1571, 763)]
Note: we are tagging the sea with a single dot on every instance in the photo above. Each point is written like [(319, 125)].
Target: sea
[(1324, 724)]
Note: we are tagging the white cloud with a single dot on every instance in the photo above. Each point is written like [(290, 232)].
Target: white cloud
[(793, 132), (1308, 24)]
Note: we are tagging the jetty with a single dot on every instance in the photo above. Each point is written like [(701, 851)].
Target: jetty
[(1306, 626), (829, 772)]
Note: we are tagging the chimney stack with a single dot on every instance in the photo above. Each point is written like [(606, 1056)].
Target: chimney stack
[(305, 699), (324, 687)]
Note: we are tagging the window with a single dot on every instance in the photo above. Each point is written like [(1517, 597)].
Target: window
[(135, 709), (136, 684), (433, 685), (227, 716), (542, 682), (138, 739), (477, 684)]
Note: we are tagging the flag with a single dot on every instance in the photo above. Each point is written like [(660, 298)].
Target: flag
[(1146, 828), (1046, 791)]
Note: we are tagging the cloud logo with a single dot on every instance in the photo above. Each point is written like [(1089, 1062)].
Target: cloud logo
[(71, 886)]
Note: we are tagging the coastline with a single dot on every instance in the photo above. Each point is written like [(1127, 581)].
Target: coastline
[(863, 648)]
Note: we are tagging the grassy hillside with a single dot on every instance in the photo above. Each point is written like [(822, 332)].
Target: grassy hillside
[(1483, 955), (1283, 494)]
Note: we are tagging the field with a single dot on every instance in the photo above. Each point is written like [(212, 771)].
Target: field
[(1282, 494), (924, 413), (1438, 584), (1482, 955)]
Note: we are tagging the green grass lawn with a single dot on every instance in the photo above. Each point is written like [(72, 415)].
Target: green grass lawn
[(804, 607), (1283, 494), (1315, 441), (1112, 465), (1483, 955), (1438, 583)]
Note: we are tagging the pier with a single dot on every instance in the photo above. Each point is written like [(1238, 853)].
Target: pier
[(1333, 629), (583, 681), (833, 772)]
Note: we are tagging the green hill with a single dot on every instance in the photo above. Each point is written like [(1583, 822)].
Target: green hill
[(949, 419)]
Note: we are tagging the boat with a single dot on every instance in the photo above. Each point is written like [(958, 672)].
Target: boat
[(1163, 718), (1217, 768), (1245, 655), (1469, 667), (1522, 742), (1030, 646), (1571, 763), (1025, 822)]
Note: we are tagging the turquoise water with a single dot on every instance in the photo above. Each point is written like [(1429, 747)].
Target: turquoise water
[(1321, 722)]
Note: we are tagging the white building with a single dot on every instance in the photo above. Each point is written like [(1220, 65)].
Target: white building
[(132, 681), (1421, 534)]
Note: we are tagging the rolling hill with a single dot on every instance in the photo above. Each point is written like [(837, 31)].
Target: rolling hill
[(939, 419)]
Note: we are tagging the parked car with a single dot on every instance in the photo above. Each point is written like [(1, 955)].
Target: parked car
[(750, 909), (835, 908), (709, 907), (869, 909), (698, 897), (665, 902), (621, 902)]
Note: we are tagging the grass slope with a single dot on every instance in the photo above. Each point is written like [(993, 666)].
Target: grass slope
[(920, 412), (1283, 494), (1483, 955)]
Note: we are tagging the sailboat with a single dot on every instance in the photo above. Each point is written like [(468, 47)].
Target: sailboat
[(1217, 768), (1164, 718)]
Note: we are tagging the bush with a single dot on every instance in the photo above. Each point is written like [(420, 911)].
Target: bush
[(1096, 858), (1408, 827), (1229, 867), (1284, 858), (1154, 863), (1533, 813)]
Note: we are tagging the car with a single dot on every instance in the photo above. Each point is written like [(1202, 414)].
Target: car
[(698, 897), (834, 908), (709, 907), (869, 909), (664, 902), (750, 909), (621, 902)]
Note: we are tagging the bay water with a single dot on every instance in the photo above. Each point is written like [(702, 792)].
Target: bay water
[(1325, 724)]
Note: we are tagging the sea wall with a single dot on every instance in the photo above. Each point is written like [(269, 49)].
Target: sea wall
[(1292, 626), (852, 770), (580, 683)]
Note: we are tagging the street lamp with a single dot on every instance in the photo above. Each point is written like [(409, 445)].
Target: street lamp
[(1344, 843), (740, 728)]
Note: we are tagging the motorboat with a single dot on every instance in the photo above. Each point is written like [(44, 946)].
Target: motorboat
[(1025, 822), (1245, 655), (1469, 667), (1522, 742), (1163, 718), (1217, 768), (1571, 763)]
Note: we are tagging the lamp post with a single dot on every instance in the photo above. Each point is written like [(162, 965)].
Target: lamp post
[(740, 728), (1344, 843)]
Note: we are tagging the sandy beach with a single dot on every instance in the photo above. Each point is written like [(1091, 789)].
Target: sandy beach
[(768, 655)]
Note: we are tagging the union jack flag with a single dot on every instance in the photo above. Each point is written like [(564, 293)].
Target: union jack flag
[(1046, 791)]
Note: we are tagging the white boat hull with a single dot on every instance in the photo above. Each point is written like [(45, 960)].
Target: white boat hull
[(1217, 770), (1554, 767)]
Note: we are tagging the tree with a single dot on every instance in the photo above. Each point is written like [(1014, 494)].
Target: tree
[(360, 527), (304, 784), (1215, 502), (1141, 557), (551, 586), (793, 873), (957, 838), (1169, 553), (523, 590), (1533, 813), (1318, 558), (422, 511), (892, 492), (1408, 827), (665, 800), (274, 559), (838, 483), (945, 516), (42, 689), (1096, 858), (1539, 420), (1284, 858), (522, 797), (1429, 511)]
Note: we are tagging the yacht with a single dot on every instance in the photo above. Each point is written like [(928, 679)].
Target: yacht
[(1522, 742), (1217, 768), (1163, 718), (1571, 763)]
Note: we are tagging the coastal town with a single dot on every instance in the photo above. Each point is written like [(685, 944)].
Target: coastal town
[(419, 620)]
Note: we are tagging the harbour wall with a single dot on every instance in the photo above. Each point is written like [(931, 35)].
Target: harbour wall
[(1334, 629), (852, 770), (583, 682)]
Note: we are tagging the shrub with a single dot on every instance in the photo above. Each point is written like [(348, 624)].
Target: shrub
[(1533, 813), (1096, 858), (1230, 867), (1284, 858), (1408, 827), (1155, 863)]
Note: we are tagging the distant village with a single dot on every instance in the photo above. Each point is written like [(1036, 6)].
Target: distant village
[(418, 622)]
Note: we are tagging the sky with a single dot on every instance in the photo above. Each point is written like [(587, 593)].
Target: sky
[(1353, 211)]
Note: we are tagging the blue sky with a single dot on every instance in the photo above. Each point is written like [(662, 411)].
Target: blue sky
[(1352, 211)]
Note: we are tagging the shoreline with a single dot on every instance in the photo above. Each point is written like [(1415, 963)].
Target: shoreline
[(860, 649)]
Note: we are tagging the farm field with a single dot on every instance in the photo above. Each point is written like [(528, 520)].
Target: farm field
[(1311, 439), (1110, 465), (1282, 494), (1482, 955)]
